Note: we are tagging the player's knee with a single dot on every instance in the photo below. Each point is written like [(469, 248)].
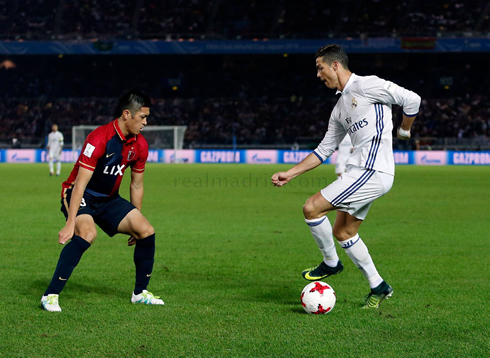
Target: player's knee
[(339, 234), (309, 211), (145, 231), (150, 230), (89, 236)]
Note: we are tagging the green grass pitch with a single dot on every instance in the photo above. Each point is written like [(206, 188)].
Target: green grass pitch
[(230, 250)]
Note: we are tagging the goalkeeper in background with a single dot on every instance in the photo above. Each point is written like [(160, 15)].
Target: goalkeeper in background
[(90, 196)]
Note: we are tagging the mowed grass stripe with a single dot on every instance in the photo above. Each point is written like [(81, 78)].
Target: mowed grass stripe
[(230, 250)]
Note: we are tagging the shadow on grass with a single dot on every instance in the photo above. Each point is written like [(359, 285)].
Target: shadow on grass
[(37, 287)]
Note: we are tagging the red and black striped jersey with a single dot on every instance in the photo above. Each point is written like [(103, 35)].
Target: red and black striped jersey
[(108, 153)]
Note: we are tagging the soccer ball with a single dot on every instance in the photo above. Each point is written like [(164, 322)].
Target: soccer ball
[(318, 298)]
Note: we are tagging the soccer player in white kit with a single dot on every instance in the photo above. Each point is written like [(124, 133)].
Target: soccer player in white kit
[(363, 112), (54, 147)]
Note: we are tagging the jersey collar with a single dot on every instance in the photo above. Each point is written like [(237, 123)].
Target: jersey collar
[(351, 79), (120, 133)]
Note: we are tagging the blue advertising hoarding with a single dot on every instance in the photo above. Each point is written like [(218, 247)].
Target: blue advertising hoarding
[(258, 46), (256, 156)]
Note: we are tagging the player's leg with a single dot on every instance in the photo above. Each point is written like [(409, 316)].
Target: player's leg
[(58, 166), (346, 229), (85, 234), (346, 232), (352, 194), (315, 210), (137, 226), (50, 164)]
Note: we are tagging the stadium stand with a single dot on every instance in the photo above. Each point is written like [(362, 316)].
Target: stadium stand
[(233, 19), (262, 100)]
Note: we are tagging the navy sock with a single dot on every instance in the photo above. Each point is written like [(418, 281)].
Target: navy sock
[(144, 254), (69, 258)]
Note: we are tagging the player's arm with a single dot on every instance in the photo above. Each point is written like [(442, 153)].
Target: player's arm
[(62, 143), (136, 189), (379, 90), (310, 162), (404, 131), (330, 142), (83, 177), (136, 195)]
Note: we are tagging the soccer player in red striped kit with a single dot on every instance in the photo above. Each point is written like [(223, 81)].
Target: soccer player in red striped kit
[(90, 196)]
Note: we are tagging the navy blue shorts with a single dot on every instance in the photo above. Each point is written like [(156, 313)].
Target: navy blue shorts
[(106, 212)]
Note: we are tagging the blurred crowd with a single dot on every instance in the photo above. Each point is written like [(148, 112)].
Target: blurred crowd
[(215, 121), (234, 19), (259, 100)]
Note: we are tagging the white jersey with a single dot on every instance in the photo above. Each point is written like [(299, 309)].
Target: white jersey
[(55, 142), (343, 153), (363, 111)]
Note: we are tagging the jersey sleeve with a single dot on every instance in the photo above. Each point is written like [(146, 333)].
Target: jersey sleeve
[(335, 134), (139, 164), (62, 139), (93, 149), (378, 90)]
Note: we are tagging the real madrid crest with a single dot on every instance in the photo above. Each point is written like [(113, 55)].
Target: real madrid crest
[(354, 103)]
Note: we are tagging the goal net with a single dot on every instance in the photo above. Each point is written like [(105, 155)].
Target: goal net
[(158, 137)]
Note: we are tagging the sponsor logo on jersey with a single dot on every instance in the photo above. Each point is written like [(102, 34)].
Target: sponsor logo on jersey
[(390, 86), (358, 125), (114, 169), (348, 120)]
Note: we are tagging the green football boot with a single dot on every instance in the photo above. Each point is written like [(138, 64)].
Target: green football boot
[(378, 294), (322, 271)]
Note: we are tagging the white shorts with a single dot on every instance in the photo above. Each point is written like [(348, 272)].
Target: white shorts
[(54, 156), (356, 189)]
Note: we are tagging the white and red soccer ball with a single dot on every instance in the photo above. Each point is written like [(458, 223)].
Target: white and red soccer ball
[(318, 298)]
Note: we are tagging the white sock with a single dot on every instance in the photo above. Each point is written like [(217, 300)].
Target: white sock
[(359, 254), (58, 168), (322, 232), (51, 166)]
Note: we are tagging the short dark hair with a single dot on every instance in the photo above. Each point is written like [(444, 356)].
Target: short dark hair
[(132, 100), (331, 53)]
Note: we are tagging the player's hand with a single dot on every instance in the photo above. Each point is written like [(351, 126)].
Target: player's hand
[(280, 179), (65, 234), (131, 241), (403, 134)]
